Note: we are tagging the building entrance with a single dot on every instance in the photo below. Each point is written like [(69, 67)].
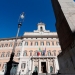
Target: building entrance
[(43, 67)]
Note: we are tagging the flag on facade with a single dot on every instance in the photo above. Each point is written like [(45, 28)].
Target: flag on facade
[(44, 51), (38, 53)]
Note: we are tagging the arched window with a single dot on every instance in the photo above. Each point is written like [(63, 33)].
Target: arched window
[(4, 67), (10, 45), (8, 54), (26, 43), (36, 43), (30, 52), (41, 28), (42, 43), (59, 51), (3, 54), (20, 44), (25, 53), (23, 65), (52, 43), (6, 45), (35, 53), (2, 45), (48, 43), (57, 43), (36, 69), (49, 53), (51, 69), (18, 53), (31, 43), (54, 51)]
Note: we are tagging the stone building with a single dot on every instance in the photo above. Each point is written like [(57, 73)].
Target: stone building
[(37, 50), (65, 24)]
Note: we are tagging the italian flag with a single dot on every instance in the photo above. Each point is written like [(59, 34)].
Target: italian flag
[(39, 52)]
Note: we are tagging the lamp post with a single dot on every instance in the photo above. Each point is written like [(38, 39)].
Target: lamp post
[(10, 62)]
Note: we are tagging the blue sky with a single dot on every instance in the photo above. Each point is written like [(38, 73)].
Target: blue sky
[(35, 11)]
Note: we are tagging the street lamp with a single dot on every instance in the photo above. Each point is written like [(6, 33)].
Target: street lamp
[(20, 21), (10, 62)]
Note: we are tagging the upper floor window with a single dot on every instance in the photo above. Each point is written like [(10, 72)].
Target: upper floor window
[(41, 28), (2, 45), (57, 43), (54, 51), (52, 43), (48, 43), (6, 45), (3, 53), (23, 65), (26, 43), (25, 53), (10, 45), (42, 43), (18, 53), (36, 43), (31, 43), (8, 54), (20, 44), (35, 53), (30, 52), (49, 53), (59, 51)]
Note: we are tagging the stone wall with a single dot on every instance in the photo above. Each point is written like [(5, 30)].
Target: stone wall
[(66, 33)]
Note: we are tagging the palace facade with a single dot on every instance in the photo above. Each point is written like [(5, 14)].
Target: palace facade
[(36, 50)]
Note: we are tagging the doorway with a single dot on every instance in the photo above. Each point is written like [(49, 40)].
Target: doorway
[(43, 67)]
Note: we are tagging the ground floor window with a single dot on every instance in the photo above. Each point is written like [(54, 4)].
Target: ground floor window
[(51, 69), (36, 69)]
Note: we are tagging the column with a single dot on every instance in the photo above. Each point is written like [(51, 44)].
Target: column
[(22, 49), (32, 65), (48, 70), (56, 65), (21, 55), (53, 66), (39, 64)]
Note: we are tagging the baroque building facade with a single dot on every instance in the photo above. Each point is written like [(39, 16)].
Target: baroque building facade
[(35, 51)]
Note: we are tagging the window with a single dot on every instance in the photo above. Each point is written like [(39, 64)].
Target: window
[(51, 69), (4, 67), (31, 44), (8, 54), (52, 43), (25, 53), (10, 45), (2, 45), (36, 43), (36, 69), (20, 44), (54, 51), (35, 53), (57, 43), (26, 43), (3, 53), (41, 29), (49, 53), (18, 53), (48, 43), (59, 51), (42, 43), (0, 64), (30, 52), (6, 45), (23, 65)]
